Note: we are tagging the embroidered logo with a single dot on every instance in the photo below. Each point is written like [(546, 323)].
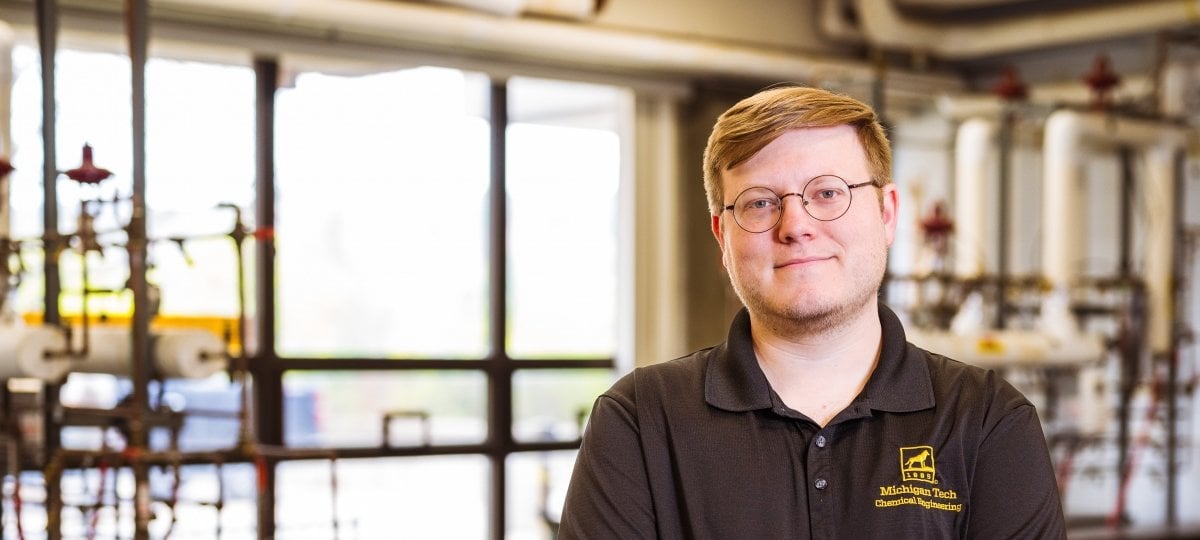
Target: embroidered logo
[(916, 464)]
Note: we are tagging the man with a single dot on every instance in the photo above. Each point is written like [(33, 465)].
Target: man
[(814, 419)]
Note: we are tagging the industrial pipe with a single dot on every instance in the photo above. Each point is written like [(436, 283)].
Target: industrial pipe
[(1068, 133), (883, 25)]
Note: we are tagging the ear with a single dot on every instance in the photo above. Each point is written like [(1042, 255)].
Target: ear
[(719, 234), (891, 209)]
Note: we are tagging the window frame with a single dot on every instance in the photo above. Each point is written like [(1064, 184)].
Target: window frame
[(269, 368)]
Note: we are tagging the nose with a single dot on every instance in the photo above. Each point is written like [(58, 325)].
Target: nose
[(794, 220)]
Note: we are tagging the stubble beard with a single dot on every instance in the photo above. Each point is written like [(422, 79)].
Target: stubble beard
[(814, 316)]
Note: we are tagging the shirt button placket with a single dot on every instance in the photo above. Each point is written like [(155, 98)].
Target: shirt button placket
[(819, 467), (821, 442)]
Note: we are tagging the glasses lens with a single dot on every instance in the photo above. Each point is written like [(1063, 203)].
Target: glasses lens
[(756, 209), (828, 197)]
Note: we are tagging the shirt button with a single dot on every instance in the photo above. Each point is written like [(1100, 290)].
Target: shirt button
[(820, 483), (820, 441)]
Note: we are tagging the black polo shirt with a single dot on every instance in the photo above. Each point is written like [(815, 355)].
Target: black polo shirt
[(701, 447)]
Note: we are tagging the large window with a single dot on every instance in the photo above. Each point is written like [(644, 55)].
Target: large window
[(427, 354)]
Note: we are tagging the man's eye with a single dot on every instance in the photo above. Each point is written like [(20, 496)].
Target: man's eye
[(828, 194), (760, 204)]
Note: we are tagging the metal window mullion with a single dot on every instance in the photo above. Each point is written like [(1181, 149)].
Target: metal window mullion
[(499, 371), (267, 377)]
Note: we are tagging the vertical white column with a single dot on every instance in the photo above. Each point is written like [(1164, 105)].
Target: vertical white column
[(972, 150), (1061, 178), (656, 234)]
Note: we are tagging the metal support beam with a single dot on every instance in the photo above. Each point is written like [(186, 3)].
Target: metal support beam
[(137, 30), (47, 26), (47, 30), (1178, 296), (1004, 136)]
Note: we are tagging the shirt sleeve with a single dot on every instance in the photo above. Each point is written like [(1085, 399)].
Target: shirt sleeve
[(609, 495), (1014, 493)]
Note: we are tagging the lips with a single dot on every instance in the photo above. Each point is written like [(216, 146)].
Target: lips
[(802, 261)]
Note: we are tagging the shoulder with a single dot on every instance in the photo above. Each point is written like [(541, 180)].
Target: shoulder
[(969, 386), (665, 380)]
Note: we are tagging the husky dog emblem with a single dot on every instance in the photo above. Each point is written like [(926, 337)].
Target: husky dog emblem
[(917, 464)]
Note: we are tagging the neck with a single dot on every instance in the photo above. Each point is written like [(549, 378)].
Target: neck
[(819, 372)]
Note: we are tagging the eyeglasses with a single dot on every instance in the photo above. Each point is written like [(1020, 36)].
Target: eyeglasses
[(826, 198)]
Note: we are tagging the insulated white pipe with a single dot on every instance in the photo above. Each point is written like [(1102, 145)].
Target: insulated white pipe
[(960, 106), (1066, 136), (177, 353), (883, 24), (573, 9), (507, 8), (27, 351), (834, 25), (1173, 89), (1159, 211), (1061, 165), (972, 149)]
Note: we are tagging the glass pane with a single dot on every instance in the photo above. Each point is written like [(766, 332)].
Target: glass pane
[(564, 156), (432, 497), (200, 167), (537, 488), (348, 408), (550, 405), (211, 409), (382, 214)]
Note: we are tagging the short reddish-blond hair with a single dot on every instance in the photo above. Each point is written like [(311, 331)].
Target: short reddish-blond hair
[(754, 122)]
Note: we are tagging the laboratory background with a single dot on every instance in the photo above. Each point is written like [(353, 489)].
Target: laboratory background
[(358, 269)]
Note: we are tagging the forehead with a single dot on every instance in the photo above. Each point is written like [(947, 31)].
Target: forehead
[(800, 154)]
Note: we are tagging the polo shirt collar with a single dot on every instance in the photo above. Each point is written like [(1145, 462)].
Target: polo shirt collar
[(735, 382)]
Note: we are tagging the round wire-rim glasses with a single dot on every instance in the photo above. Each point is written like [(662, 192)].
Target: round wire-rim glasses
[(825, 198)]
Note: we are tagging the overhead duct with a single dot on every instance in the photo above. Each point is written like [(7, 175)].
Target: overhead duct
[(882, 24), (1068, 133), (538, 39)]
